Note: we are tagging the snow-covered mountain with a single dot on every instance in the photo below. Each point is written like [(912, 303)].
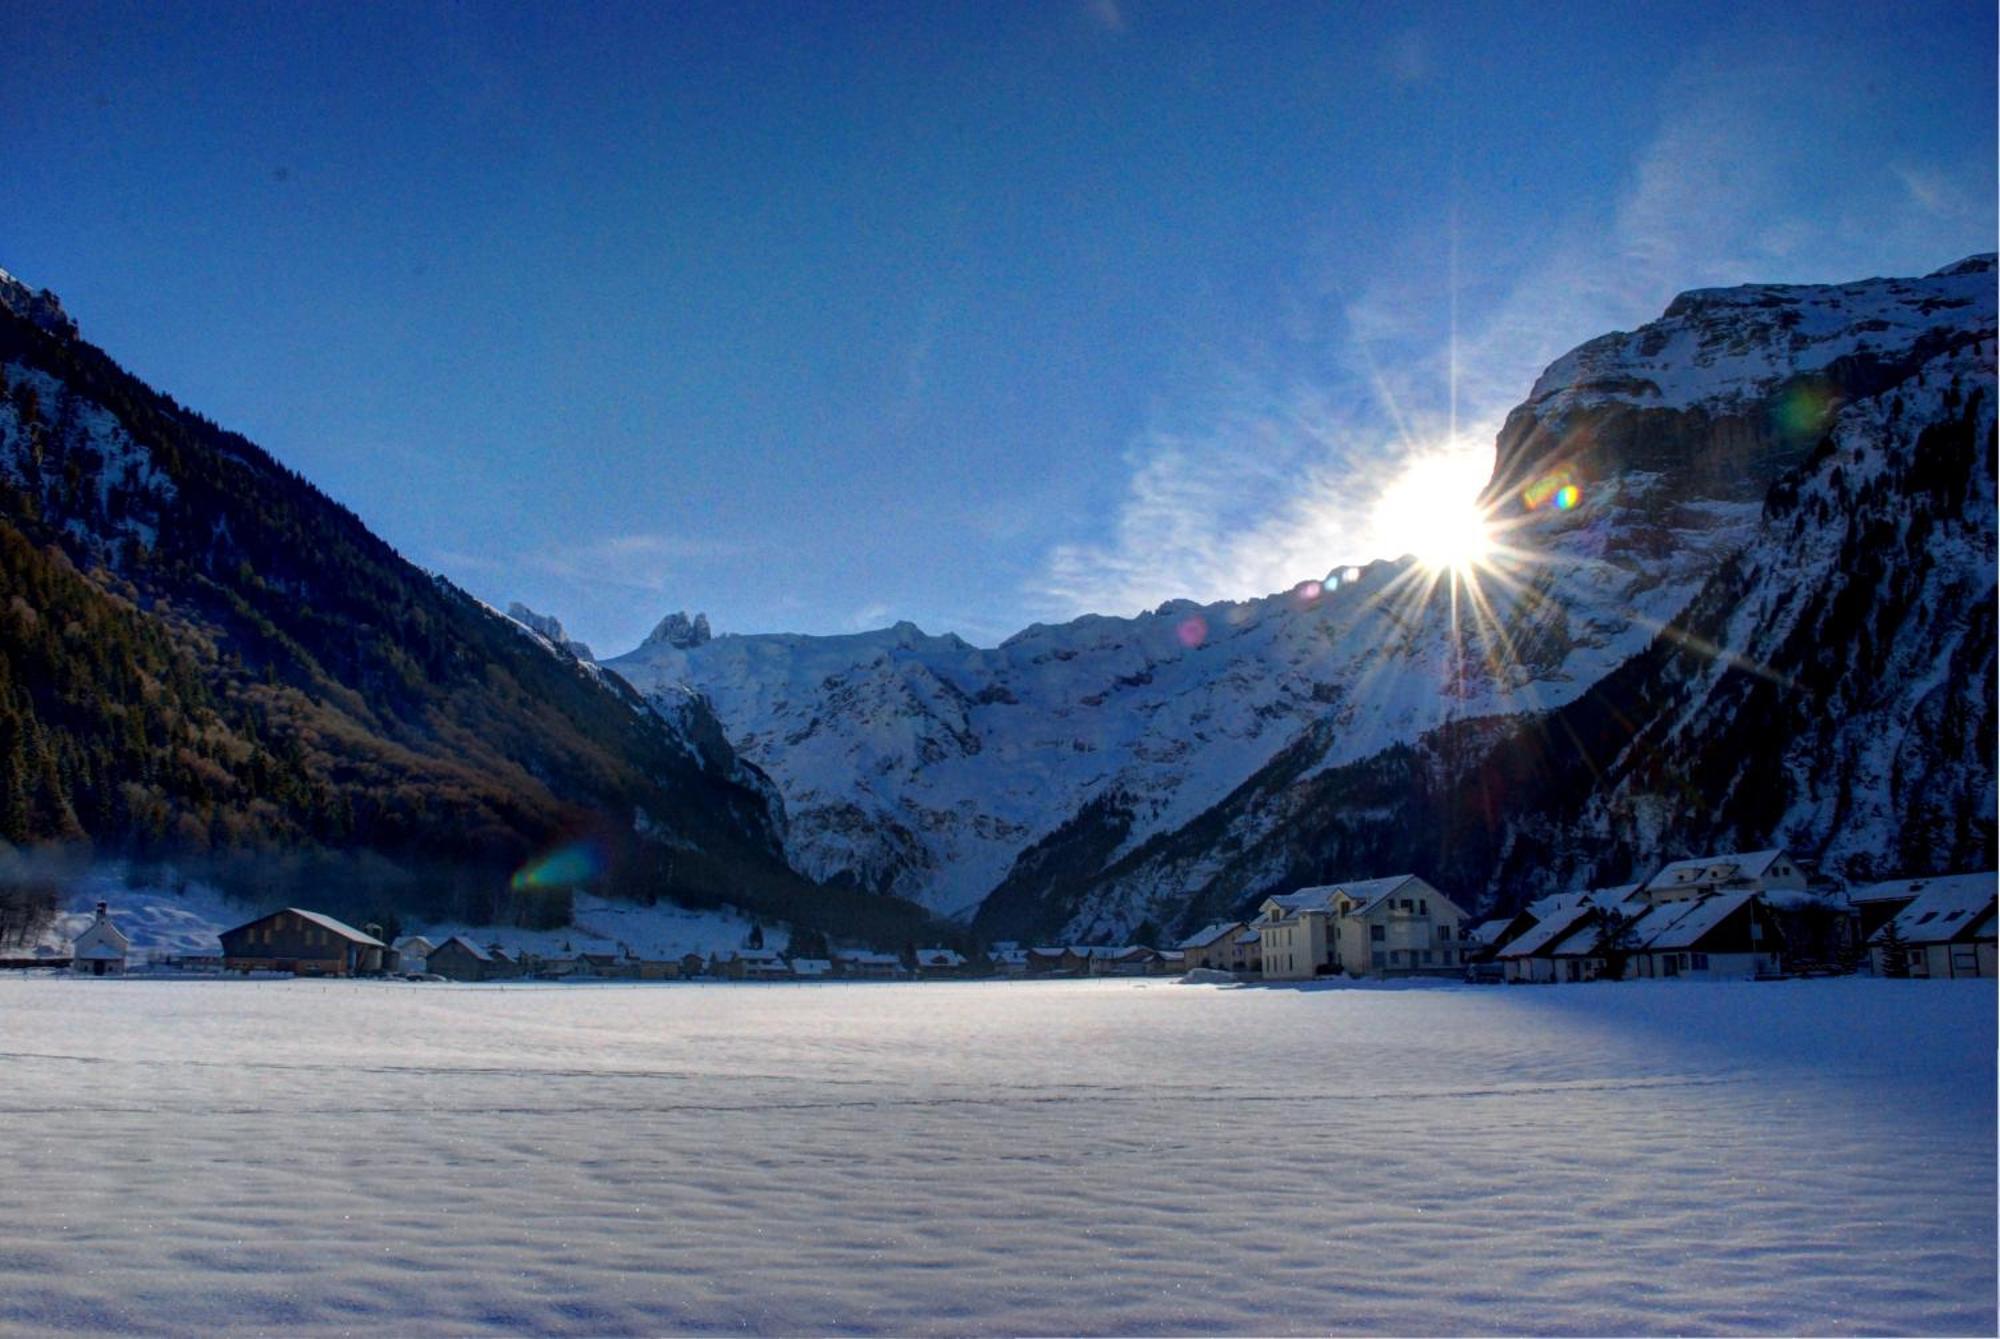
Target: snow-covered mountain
[(1775, 500)]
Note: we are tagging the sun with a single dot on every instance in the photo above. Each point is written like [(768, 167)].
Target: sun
[(1431, 511)]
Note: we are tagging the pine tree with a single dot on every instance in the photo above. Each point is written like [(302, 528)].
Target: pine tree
[(1895, 951)]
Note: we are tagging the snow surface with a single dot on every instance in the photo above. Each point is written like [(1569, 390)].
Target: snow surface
[(973, 1158)]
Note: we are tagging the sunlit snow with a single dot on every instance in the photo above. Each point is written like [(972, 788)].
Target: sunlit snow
[(1060, 1157)]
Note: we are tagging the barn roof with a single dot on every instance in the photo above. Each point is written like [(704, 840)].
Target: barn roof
[(341, 928), (477, 952)]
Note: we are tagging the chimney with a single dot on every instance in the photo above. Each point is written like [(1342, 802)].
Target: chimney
[(103, 912)]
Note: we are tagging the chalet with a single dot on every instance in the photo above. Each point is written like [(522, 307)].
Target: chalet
[(1396, 926), (459, 959), (1008, 959), (305, 943), (692, 965), (102, 948), (1758, 871), (1530, 955), (867, 965), (812, 969), (1248, 952), (1058, 960), (1122, 960), (939, 962), (653, 969), (1725, 935), (1947, 929), (1215, 947), (1485, 940), (749, 964)]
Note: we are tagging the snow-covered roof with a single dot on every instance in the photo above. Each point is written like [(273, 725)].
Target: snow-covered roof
[(1686, 929), (1487, 931), (867, 958), (1715, 869), (1545, 933), (1898, 890), (812, 966), (1249, 937), (341, 928), (940, 957), (1368, 892), (475, 950), (756, 955), (1209, 934), (414, 944), (1945, 909)]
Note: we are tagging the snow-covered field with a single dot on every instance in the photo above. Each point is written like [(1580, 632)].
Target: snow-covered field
[(1086, 1157)]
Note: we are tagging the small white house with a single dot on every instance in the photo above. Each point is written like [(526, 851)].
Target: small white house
[(1947, 930), (101, 950)]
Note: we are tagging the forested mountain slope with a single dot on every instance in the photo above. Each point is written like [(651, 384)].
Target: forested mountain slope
[(204, 659)]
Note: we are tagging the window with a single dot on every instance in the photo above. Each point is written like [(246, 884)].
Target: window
[(1427, 957), (1444, 956), (1444, 932), (1377, 957), (1423, 907), (1377, 934)]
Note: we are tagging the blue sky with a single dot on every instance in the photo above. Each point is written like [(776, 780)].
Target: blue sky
[(817, 317)]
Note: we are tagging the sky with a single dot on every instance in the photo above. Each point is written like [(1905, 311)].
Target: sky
[(819, 317)]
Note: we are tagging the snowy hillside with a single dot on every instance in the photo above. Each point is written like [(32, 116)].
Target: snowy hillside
[(1044, 768)]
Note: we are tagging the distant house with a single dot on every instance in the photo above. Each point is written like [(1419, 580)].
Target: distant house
[(459, 959), (412, 952), (1731, 934), (1248, 950), (305, 943), (939, 962), (1057, 960), (1396, 926), (749, 964), (1947, 929), (1214, 947), (1008, 959), (1486, 939), (1121, 960), (867, 965), (1717, 935), (812, 969), (1530, 955), (1756, 871), (102, 948)]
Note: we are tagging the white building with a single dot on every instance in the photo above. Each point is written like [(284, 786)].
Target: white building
[(1757, 871), (1397, 926), (101, 950), (1947, 930)]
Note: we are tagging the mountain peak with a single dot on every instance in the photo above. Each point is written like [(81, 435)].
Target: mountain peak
[(679, 631), (43, 308), (549, 627)]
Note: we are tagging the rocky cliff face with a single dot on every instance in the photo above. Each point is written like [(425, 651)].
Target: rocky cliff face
[(1748, 600)]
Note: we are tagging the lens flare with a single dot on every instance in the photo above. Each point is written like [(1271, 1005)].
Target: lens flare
[(564, 867), (1306, 594), (1557, 490), (1193, 631)]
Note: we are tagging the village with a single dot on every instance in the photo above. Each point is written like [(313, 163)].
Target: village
[(1754, 916)]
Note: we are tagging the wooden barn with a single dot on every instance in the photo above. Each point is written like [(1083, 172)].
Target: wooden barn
[(305, 943)]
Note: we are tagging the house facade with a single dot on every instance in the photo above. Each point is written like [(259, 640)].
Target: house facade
[(102, 948), (305, 943), (1396, 926)]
